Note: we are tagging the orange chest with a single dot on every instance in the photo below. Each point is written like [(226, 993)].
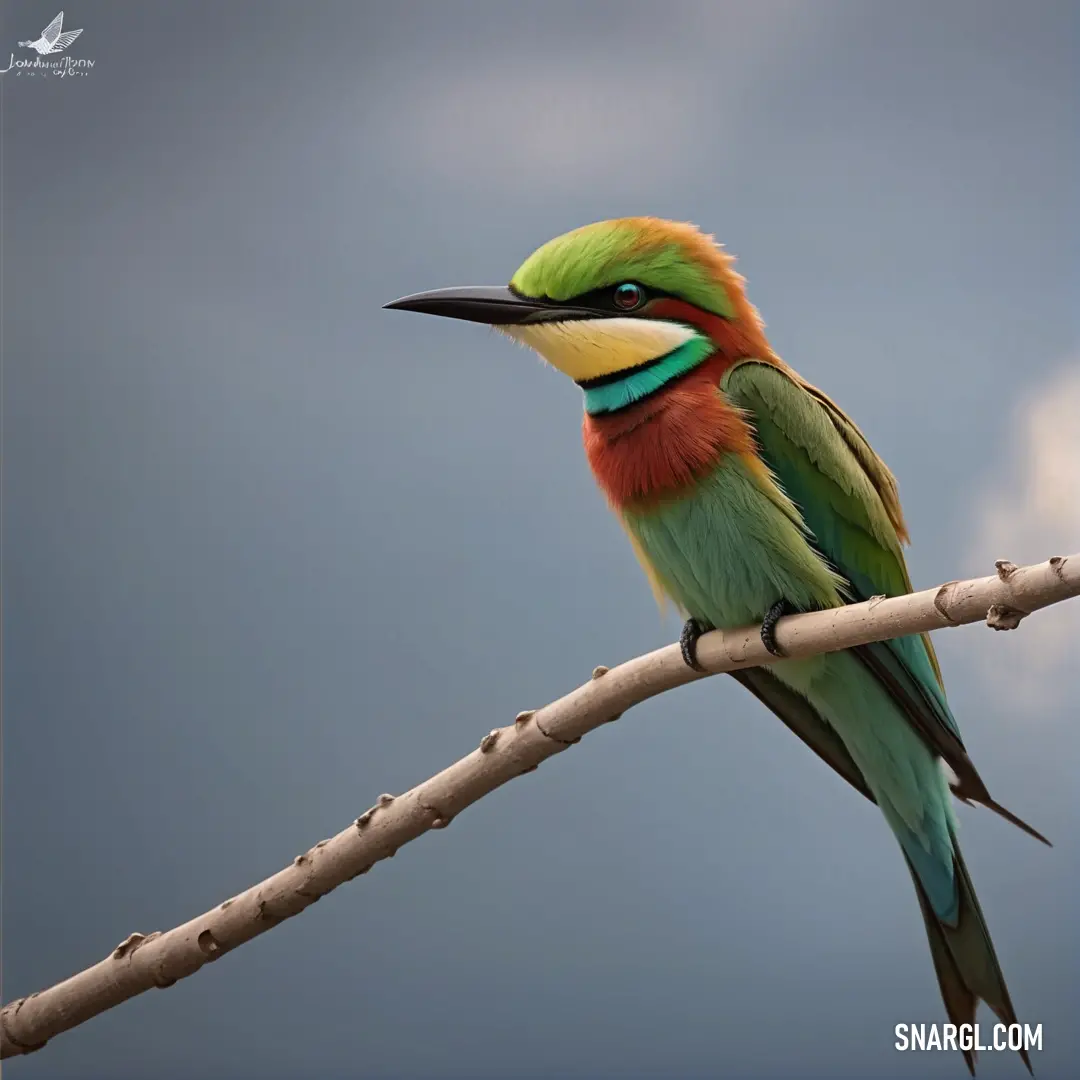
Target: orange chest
[(652, 450)]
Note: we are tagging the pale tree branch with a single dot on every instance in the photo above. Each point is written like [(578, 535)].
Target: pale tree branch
[(159, 959)]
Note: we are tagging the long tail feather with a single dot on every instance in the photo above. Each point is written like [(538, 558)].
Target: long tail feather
[(967, 966), (1001, 811)]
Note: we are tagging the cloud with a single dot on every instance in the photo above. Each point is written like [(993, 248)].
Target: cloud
[(1027, 511)]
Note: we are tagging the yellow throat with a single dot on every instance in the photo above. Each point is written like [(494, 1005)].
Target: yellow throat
[(587, 349)]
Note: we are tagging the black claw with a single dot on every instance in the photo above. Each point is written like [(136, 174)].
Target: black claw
[(768, 625), (688, 639)]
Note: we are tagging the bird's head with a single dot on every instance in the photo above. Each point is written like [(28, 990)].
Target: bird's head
[(612, 297)]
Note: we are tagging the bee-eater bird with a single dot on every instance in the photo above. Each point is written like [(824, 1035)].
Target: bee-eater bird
[(748, 494)]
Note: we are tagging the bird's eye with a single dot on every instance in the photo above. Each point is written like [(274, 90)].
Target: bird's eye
[(628, 296)]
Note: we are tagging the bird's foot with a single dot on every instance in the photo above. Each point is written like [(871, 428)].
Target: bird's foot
[(688, 639), (768, 625)]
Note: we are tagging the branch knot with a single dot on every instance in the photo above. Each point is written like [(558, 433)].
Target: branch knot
[(1003, 617)]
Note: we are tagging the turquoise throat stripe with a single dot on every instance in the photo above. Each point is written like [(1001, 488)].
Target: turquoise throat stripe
[(640, 382)]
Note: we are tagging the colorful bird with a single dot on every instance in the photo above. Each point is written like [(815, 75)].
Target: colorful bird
[(748, 494)]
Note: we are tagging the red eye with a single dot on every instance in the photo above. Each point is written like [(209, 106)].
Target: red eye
[(628, 296)]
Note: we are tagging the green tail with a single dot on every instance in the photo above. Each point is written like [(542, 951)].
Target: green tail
[(965, 962), (967, 966)]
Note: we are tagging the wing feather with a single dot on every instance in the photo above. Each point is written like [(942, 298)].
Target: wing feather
[(802, 718), (849, 501), (65, 39), (52, 31)]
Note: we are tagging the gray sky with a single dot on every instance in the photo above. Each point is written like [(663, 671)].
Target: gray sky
[(269, 550)]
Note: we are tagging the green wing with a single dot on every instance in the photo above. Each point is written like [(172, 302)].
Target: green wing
[(803, 719), (848, 499)]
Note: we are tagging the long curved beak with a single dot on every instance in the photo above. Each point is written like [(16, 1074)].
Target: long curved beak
[(495, 305)]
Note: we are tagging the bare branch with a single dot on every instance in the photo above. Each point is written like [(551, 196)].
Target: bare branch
[(159, 959)]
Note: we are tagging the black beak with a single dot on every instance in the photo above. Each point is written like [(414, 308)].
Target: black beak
[(492, 304)]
